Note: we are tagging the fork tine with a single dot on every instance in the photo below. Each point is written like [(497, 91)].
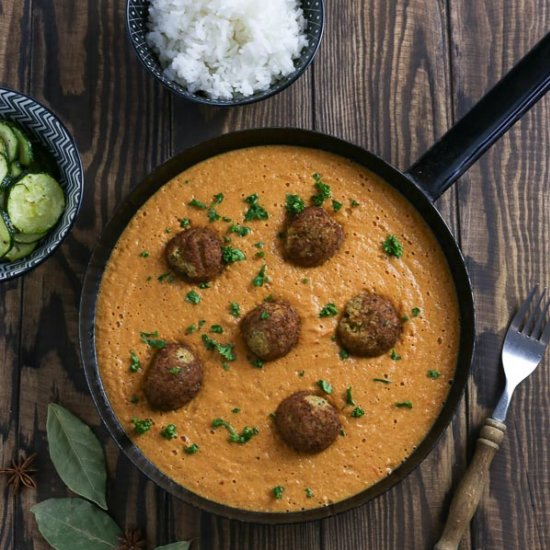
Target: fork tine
[(545, 337), (534, 314), (536, 329), (519, 316)]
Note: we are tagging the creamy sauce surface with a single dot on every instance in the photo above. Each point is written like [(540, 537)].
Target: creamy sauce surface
[(132, 299)]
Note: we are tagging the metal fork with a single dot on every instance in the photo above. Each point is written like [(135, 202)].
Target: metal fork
[(524, 345)]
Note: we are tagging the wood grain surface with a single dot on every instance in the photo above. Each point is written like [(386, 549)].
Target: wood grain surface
[(390, 76)]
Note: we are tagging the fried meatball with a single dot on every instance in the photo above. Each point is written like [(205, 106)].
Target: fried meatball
[(195, 254), (307, 422), (370, 325), (174, 377), (312, 237), (271, 329)]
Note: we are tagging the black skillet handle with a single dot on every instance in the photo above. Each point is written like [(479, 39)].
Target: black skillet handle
[(485, 123)]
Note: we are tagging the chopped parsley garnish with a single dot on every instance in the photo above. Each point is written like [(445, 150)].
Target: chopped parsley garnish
[(191, 449), (259, 245), (169, 432), (201, 323), (234, 437), (226, 219), (309, 492), (204, 285), (190, 329), (192, 297), (415, 311), (301, 373), (142, 426), (235, 309), (168, 230), (168, 277), (330, 310), (240, 230), (261, 278), (197, 204), (236, 410), (225, 365), (343, 354), (358, 412), (260, 254), (353, 203), (433, 374), (404, 405), (325, 386), (381, 380), (255, 211), (149, 278), (405, 318), (134, 399), (144, 254), (336, 205), (394, 356), (392, 247), (217, 329), (305, 281), (227, 351), (217, 199), (185, 223), (231, 255), (349, 397), (294, 204), (264, 315), (278, 492), (213, 215), (135, 365), (323, 191), (174, 370), (342, 433), (152, 339), (269, 298), (256, 363)]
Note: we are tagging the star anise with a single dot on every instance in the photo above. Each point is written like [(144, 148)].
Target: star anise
[(131, 540), (20, 473)]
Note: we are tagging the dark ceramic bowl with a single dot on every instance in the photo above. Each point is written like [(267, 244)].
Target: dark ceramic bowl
[(137, 12), (44, 127)]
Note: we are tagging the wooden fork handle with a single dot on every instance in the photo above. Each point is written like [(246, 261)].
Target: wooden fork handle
[(468, 493)]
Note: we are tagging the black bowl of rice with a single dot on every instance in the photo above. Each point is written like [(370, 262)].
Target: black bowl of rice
[(225, 52)]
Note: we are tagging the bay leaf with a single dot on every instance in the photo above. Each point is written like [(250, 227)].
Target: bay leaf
[(76, 454), (182, 545), (75, 524)]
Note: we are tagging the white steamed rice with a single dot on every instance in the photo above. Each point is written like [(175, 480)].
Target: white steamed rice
[(226, 47)]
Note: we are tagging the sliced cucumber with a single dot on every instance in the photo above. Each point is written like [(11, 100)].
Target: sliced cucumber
[(24, 147), (4, 168), (19, 250), (27, 238), (35, 203), (10, 140), (6, 234), (15, 169)]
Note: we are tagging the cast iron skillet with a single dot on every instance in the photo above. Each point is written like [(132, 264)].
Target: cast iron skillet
[(422, 184)]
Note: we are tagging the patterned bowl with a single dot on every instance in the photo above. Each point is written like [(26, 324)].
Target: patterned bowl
[(44, 127), (137, 12)]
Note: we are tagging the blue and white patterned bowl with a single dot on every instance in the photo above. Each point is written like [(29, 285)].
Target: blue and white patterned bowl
[(43, 126), (137, 12)]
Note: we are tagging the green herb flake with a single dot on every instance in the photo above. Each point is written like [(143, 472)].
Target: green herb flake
[(325, 386), (168, 230), (135, 364), (394, 356), (349, 397), (353, 203), (217, 329), (192, 297), (261, 278), (170, 432), (259, 245), (240, 230), (294, 204), (201, 323), (264, 315), (323, 191), (168, 277), (225, 366), (191, 449), (301, 373), (149, 278), (134, 399), (246, 434), (405, 318), (235, 309), (218, 198), (404, 405), (255, 211), (142, 426), (231, 255), (204, 285), (226, 219), (415, 311), (342, 433), (185, 223), (197, 204), (256, 363), (330, 310), (213, 215), (152, 339), (392, 247), (305, 281), (190, 329), (381, 380), (343, 354), (174, 370), (260, 254), (227, 351), (278, 492), (336, 206), (358, 412), (433, 374), (236, 410), (144, 254), (309, 492)]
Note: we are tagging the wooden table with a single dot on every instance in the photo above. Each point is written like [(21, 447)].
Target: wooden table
[(391, 76)]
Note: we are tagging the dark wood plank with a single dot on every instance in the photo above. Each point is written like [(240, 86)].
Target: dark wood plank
[(504, 231)]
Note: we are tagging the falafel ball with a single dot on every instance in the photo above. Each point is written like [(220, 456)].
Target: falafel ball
[(195, 254), (370, 325), (271, 329), (307, 422), (174, 377), (312, 237)]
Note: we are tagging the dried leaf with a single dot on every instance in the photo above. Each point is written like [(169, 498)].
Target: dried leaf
[(182, 545), (77, 455), (75, 524)]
